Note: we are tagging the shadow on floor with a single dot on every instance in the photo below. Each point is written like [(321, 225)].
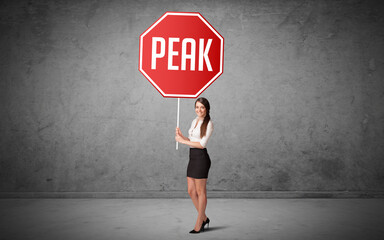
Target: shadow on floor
[(215, 228)]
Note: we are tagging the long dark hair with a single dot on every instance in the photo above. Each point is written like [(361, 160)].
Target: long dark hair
[(203, 128)]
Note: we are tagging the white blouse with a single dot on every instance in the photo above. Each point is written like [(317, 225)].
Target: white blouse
[(194, 132)]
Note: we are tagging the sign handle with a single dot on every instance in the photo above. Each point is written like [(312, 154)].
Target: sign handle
[(178, 118)]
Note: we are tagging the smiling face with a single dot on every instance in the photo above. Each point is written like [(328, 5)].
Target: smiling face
[(200, 110)]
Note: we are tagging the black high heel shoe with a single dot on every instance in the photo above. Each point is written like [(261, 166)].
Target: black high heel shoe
[(206, 222), (200, 230)]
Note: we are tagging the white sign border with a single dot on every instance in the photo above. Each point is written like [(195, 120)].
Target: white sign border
[(210, 27)]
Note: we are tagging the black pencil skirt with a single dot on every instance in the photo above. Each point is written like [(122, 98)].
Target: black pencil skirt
[(199, 163)]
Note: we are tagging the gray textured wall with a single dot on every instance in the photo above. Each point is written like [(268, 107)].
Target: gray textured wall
[(298, 107)]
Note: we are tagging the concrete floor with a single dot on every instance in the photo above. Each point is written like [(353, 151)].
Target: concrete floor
[(95, 219)]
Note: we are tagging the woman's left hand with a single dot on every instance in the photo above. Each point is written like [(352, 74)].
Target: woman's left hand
[(178, 132)]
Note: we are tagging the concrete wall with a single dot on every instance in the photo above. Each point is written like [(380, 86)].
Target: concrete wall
[(299, 106)]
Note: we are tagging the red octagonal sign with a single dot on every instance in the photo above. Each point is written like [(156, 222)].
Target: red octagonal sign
[(181, 54)]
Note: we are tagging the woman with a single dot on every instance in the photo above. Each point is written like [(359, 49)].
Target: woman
[(199, 161)]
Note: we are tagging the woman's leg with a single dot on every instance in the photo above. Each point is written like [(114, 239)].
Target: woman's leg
[(201, 189), (192, 192)]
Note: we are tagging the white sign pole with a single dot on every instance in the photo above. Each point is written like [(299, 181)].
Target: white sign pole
[(178, 118)]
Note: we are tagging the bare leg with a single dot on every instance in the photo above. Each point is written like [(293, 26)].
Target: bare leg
[(193, 194), (201, 189)]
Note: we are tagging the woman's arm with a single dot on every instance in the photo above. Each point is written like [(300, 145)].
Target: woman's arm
[(178, 133), (184, 140), (188, 142), (204, 140)]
